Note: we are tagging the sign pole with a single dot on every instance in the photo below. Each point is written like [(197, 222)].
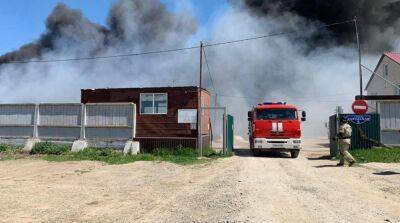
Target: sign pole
[(359, 57)]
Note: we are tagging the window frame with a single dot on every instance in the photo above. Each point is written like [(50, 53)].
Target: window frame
[(153, 103), (279, 109), (386, 73)]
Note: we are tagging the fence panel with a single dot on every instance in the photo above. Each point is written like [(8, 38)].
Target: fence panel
[(64, 121), (59, 121), (390, 115), (17, 120), (110, 121)]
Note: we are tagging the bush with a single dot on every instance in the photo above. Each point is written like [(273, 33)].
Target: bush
[(7, 148), (50, 148), (3, 148)]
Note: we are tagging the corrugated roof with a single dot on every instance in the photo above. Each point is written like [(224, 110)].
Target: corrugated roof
[(394, 56)]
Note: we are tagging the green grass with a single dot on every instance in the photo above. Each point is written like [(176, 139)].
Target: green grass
[(8, 152), (8, 148), (60, 153), (380, 155), (50, 148), (182, 156)]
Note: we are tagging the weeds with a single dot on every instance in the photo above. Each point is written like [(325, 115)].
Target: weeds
[(112, 156), (50, 148), (381, 155), (59, 153), (10, 152)]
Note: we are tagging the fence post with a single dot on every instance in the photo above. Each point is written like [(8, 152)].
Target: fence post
[(224, 132), (134, 122), (83, 122), (36, 121)]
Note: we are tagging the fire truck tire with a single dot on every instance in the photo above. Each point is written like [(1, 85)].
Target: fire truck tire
[(255, 152), (294, 154)]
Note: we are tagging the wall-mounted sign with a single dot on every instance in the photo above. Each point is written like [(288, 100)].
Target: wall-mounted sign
[(358, 119), (187, 116)]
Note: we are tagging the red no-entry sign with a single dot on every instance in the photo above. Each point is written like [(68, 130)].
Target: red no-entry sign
[(360, 107)]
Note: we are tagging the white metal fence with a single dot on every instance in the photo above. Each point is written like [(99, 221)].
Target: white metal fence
[(68, 121), (390, 115)]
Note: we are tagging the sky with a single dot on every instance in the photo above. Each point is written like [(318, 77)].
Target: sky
[(22, 21)]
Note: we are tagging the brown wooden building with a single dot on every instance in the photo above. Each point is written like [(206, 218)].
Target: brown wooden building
[(166, 116)]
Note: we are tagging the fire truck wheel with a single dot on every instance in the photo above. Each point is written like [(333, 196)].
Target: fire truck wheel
[(294, 154), (255, 152)]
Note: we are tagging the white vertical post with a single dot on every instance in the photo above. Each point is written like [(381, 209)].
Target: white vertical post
[(134, 122), (36, 121), (224, 132), (83, 122)]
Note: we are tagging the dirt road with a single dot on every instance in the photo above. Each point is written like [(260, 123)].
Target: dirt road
[(272, 188)]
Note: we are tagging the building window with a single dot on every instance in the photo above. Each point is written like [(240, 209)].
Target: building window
[(153, 103), (386, 74)]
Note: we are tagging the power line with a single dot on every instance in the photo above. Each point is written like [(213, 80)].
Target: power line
[(292, 98), (275, 34), (168, 50), (209, 72), (102, 57), (380, 76)]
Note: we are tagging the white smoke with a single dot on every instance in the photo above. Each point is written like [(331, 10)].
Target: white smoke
[(246, 73)]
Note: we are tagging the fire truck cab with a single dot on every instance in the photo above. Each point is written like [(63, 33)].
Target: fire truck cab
[(275, 127)]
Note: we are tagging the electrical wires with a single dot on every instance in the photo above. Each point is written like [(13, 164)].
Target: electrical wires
[(169, 50)]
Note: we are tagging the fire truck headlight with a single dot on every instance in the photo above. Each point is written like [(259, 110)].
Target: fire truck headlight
[(258, 141), (297, 141)]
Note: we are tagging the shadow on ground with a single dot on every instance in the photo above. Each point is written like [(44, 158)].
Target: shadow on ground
[(386, 173), (326, 145), (324, 157), (326, 165), (248, 153)]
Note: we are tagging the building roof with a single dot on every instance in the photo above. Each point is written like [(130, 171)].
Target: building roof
[(391, 55), (394, 56), (145, 88)]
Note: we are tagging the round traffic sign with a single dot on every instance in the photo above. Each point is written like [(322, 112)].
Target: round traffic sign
[(360, 107)]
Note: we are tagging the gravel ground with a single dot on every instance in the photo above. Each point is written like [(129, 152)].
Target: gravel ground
[(243, 188)]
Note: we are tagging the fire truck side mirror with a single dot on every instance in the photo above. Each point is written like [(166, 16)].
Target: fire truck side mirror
[(303, 116), (249, 115)]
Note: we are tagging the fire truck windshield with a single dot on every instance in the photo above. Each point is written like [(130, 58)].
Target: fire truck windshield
[(280, 114)]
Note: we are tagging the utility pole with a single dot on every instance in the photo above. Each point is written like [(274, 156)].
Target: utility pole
[(359, 56), (199, 110)]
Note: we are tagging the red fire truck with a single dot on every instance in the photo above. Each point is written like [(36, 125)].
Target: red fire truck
[(275, 127)]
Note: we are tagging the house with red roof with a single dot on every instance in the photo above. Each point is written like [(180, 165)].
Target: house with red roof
[(385, 82), (387, 68)]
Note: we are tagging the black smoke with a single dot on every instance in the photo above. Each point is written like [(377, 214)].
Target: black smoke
[(378, 19), (131, 25)]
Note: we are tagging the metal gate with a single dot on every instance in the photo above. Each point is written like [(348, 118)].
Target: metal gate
[(229, 133), (365, 134)]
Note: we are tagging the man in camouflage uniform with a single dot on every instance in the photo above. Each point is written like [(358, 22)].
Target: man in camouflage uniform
[(344, 140)]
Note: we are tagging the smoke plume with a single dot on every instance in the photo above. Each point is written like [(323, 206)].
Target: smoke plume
[(300, 69), (131, 25), (378, 20)]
